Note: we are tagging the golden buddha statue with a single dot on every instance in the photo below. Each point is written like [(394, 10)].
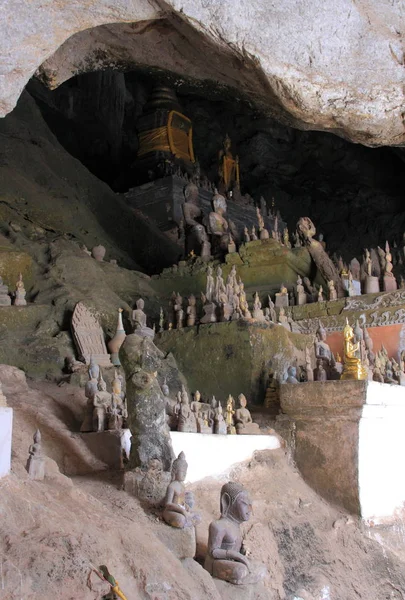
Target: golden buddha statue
[(228, 167), (229, 419), (353, 368)]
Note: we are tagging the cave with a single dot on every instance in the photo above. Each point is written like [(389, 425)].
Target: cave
[(202, 299)]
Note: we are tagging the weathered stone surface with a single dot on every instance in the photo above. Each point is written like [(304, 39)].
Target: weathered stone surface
[(181, 542), (140, 359), (339, 68)]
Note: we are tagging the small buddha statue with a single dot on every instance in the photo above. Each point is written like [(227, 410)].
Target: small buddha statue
[(320, 294), (243, 304), (308, 365), (263, 233), (218, 224), (322, 349), (320, 373), (220, 426), (246, 235), (301, 295), (225, 557), (253, 235), (210, 287), (139, 319), (191, 311), (179, 312), (353, 367), (176, 512), (243, 419), (187, 418), (102, 403), (332, 290), (282, 296), (36, 463), (292, 375), (230, 411), (20, 293), (258, 314)]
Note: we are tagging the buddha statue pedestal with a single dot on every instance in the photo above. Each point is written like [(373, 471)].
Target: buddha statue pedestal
[(372, 285), (181, 542), (389, 283)]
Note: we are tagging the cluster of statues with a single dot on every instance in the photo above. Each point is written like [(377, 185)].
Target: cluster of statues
[(208, 417), (105, 410), (18, 297), (226, 558)]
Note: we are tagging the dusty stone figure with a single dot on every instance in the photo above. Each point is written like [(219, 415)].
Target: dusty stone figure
[(98, 253), (306, 230), (253, 235), (320, 372), (258, 314), (179, 312), (177, 512), (322, 349), (263, 233), (139, 319), (5, 299), (225, 558), (300, 292), (246, 235), (390, 284), (187, 417), (218, 224), (220, 424), (191, 311), (20, 293), (243, 419), (292, 375), (102, 403), (332, 290), (308, 365), (36, 462)]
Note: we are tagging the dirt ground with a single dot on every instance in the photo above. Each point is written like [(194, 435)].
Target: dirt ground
[(51, 532)]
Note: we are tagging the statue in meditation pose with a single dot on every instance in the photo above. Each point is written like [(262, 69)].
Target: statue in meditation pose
[(176, 512), (20, 292), (139, 319), (322, 350), (225, 558), (243, 419), (353, 367), (187, 419)]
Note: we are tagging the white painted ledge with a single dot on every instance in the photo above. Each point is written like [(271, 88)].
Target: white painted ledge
[(6, 430), (212, 455)]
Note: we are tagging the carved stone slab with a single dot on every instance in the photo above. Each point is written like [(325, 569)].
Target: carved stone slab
[(89, 337)]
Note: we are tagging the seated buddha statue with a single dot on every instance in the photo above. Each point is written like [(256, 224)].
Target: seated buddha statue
[(225, 558), (243, 419), (353, 367), (177, 512), (218, 224), (322, 350)]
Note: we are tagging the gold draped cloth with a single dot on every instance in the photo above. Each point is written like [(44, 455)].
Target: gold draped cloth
[(175, 137)]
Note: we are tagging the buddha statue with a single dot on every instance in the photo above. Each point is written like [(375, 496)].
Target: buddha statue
[(193, 217), (332, 290), (228, 167), (225, 557), (353, 367), (218, 224), (320, 372), (263, 232), (102, 404), (220, 424), (230, 411), (282, 296), (253, 234), (243, 419), (187, 418), (258, 314), (20, 293), (36, 462), (139, 319), (322, 349), (176, 512), (191, 311), (292, 375), (179, 312), (246, 235), (301, 295)]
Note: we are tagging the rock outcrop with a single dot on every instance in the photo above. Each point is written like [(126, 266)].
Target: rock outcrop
[(337, 68)]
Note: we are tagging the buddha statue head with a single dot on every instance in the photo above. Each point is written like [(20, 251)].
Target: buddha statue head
[(179, 467), (197, 396), (235, 503), (140, 304), (219, 204), (242, 400), (321, 333), (213, 402)]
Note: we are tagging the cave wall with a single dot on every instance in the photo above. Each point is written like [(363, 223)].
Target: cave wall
[(353, 193)]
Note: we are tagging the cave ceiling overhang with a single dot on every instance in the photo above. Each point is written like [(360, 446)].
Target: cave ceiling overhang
[(332, 66)]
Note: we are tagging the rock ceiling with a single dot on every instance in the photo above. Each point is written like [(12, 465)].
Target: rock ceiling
[(336, 66)]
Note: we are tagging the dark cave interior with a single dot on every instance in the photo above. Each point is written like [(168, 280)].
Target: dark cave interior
[(354, 194)]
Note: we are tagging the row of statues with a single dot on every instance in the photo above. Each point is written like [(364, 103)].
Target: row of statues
[(208, 417), (18, 297), (105, 410), (226, 557)]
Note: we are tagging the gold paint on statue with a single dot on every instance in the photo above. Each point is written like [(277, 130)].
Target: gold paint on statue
[(353, 367)]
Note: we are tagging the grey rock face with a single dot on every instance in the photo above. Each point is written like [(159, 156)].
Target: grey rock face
[(141, 360)]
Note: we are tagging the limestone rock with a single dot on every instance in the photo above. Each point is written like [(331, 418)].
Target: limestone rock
[(181, 542), (13, 380), (310, 66), (141, 359)]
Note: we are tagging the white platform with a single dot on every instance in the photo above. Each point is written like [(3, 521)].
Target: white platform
[(382, 452), (6, 430), (210, 455)]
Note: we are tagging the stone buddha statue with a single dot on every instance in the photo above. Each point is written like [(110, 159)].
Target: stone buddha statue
[(322, 349), (102, 403), (243, 419), (177, 512), (218, 224), (187, 418), (353, 367), (228, 167), (225, 558), (220, 425), (193, 216), (20, 293), (139, 319)]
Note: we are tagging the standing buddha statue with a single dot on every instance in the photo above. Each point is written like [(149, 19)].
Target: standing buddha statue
[(228, 167)]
